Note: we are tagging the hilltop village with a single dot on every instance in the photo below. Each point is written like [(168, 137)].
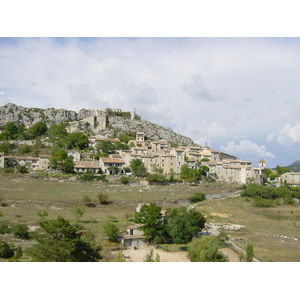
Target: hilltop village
[(154, 154), (159, 154)]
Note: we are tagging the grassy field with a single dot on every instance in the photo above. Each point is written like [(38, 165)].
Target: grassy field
[(271, 230), (26, 196)]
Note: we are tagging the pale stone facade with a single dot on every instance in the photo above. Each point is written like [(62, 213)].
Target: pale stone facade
[(291, 178)]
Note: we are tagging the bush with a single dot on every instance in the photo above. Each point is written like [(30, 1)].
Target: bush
[(87, 200), (4, 228), (9, 170), (22, 169), (156, 178), (103, 198), (5, 250), (197, 197), (124, 180), (20, 231), (260, 202)]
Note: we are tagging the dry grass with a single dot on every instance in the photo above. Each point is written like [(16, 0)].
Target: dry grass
[(264, 227), (27, 196)]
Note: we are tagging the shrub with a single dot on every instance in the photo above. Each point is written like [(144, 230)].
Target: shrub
[(9, 170), (4, 228), (197, 197), (111, 231), (156, 178), (260, 202), (5, 250), (87, 200), (103, 198), (22, 169), (92, 177), (20, 231), (124, 180)]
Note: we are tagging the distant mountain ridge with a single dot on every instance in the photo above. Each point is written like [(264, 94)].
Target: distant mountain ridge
[(295, 166), (105, 122)]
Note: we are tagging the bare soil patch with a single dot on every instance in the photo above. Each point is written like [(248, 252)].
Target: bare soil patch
[(139, 255), (220, 215)]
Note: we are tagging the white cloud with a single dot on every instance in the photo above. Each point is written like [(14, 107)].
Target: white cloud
[(198, 92), (246, 147), (287, 135), (210, 89)]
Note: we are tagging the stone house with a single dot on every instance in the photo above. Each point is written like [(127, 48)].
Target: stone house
[(214, 155), (291, 178), (140, 139), (87, 166), (234, 171), (33, 163), (134, 236), (107, 165), (179, 154)]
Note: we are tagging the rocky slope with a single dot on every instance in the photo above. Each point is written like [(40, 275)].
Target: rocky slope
[(115, 124)]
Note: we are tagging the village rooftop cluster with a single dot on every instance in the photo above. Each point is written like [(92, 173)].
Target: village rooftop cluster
[(223, 167)]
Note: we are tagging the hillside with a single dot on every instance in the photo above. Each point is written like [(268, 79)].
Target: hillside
[(294, 167), (105, 122)]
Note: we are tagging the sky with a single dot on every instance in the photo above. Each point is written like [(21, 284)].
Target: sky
[(231, 87), (225, 74), (237, 95)]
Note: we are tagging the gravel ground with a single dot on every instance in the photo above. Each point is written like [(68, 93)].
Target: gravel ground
[(181, 256)]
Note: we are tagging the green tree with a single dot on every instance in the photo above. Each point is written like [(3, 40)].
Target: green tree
[(250, 252), (197, 197), (58, 130), (68, 166), (58, 241), (106, 147), (19, 252), (77, 139), (25, 149), (183, 225), (150, 216), (137, 167), (281, 170), (38, 129), (103, 198), (4, 228), (5, 250), (205, 249), (11, 129), (111, 231), (20, 231), (78, 212), (189, 174)]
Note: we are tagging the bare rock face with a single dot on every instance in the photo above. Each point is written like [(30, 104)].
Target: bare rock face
[(152, 131), (100, 122), (19, 114)]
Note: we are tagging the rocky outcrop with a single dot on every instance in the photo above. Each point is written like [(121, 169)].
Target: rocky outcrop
[(110, 125), (19, 114), (152, 131)]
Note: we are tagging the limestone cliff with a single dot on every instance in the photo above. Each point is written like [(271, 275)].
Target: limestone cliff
[(104, 122)]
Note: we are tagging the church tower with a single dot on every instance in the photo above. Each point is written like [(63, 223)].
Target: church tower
[(262, 164)]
